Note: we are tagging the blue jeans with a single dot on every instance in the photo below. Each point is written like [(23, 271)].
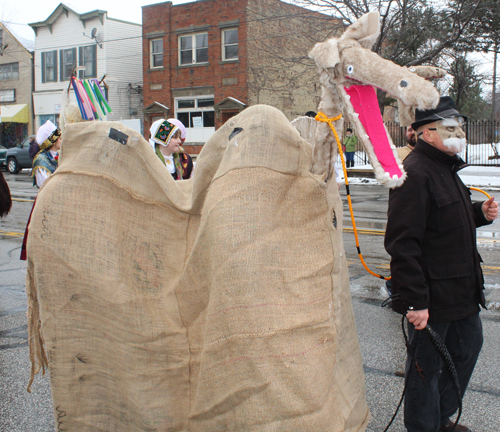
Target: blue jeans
[(431, 398)]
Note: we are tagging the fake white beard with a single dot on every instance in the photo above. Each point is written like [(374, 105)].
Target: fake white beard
[(456, 145)]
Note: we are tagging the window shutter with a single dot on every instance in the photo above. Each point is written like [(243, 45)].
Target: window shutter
[(74, 61), (61, 65), (80, 61), (55, 65), (94, 61), (43, 67)]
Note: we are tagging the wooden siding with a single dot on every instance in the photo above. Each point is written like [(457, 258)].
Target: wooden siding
[(120, 58), (124, 68)]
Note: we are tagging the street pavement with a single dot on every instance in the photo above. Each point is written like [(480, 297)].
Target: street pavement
[(379, 329)]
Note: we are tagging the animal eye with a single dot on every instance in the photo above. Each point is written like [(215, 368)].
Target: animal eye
[(412, 69), (350, 69), (450, 128)]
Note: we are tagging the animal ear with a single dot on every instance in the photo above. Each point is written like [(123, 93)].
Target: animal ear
[(326, 54), (428, 72), (365, 30)]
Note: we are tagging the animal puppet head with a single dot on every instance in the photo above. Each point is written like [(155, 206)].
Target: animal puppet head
[(350, 72), (407, 112)]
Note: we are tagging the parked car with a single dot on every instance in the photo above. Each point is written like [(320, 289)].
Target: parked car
[(3, 156), (18, 157)]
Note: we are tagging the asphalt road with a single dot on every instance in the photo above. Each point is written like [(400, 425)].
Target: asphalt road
[(379, 329)]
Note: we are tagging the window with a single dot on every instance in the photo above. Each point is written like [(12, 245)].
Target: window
[(88, 58), (193, 49), (67, 59), (196, 112), (230, 44), (54, 118), (8, 95), (9, 71), (49, 66), (156, 50)]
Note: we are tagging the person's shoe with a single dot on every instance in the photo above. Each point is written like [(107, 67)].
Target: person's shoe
[(458, 428), (388, 287)]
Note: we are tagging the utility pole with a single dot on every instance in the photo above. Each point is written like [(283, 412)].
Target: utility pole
[(493, 93)]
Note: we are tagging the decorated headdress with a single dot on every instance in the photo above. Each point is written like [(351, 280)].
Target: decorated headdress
[(47, 135), (181, 127), (162, 132)]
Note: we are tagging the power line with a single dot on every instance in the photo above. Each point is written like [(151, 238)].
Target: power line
[(308, 14)]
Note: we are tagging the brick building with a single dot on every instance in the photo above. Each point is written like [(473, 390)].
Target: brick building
[(207, 60)]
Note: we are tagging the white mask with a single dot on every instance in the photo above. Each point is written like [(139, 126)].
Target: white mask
[(452, 134)]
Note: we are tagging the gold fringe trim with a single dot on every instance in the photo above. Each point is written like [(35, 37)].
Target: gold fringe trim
[(37, 168)]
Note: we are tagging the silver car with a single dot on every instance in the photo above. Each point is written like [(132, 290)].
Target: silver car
[(18, 157)]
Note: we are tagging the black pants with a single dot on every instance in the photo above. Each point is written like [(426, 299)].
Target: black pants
[(431, 398)]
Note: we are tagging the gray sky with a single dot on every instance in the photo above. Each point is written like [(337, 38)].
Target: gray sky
[(18, 13)]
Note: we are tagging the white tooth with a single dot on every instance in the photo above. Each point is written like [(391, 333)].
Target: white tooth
[(395, 177), (355, 114), (387, 175), (347, 97), (393, 146), (367, 137)]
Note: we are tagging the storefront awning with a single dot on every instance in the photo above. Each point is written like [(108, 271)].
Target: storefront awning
[(14, 113)]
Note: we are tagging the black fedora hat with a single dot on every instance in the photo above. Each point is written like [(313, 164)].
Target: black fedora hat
[(446, 109)]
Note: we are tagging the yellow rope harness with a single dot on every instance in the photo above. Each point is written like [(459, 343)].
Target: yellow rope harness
[(323, 118)]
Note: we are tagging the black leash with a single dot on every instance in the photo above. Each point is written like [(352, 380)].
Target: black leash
[(447, 360)]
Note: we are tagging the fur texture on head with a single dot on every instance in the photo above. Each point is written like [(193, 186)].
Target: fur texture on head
[(407, 112), (349, 69)]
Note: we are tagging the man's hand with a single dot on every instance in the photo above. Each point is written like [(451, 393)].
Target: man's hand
[(490, 209), (418, 318)]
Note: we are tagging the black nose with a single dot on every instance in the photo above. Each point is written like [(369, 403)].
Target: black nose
[(403, 83)]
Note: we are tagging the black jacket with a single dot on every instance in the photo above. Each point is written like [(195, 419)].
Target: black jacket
[(431, 237)]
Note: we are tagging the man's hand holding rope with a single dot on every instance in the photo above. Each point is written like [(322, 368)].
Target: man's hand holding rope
[(418, 318)]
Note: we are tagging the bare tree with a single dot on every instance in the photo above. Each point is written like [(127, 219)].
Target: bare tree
[(412, 32), (280, 73)]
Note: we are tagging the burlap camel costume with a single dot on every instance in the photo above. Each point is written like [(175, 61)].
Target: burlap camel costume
[(216, 303)]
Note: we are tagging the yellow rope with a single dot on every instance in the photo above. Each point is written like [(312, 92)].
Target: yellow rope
[(480, 190), (323, 118)]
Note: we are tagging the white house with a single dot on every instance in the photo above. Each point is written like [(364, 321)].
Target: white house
[(106, 47)]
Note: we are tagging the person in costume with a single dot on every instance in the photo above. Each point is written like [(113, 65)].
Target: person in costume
[(44, 151), (166, 139), (435, 267), (48, 143), (5, 198)]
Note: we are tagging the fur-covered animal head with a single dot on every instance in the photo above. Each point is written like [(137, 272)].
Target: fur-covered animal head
[(407, 112), (349, 69)]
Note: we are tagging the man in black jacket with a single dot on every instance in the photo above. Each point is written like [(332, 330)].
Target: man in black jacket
[(435, 266)]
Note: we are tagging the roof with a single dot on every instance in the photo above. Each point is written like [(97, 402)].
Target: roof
[(230, 101), (63, 8), (155, 107), (21, 42)]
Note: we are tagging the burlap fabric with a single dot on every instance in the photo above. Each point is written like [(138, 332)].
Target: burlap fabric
[(220, 303)]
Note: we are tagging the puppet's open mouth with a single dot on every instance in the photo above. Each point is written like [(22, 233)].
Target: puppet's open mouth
[(365, 103)]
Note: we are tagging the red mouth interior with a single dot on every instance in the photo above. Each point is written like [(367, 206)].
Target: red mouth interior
[(365, 103)]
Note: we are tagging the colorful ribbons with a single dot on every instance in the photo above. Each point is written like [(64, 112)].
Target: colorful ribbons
[(91, 100)]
